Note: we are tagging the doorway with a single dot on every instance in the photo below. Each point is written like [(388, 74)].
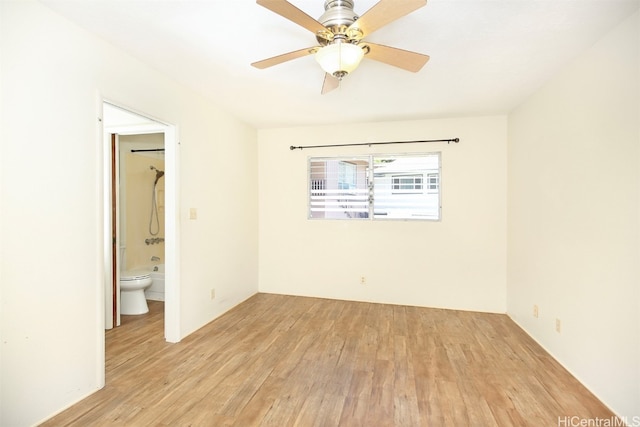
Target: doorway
[(119, 122)]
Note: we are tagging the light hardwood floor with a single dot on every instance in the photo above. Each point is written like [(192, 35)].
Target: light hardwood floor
[(291, 361)]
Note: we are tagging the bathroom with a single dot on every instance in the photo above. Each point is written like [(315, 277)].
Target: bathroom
[(142, 208)]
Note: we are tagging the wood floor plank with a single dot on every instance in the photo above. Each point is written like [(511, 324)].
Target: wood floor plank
[(280, 360)]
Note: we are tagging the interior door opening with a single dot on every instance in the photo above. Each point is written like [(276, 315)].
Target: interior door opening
[(156, 140)]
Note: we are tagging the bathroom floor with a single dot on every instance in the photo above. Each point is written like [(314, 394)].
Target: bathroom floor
[(135, 336), (154, 317)]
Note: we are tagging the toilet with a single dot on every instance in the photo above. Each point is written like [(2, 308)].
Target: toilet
[(132, 286)]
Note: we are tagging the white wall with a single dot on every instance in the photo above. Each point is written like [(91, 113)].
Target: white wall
[(459, 262), (51, 231), (574, 186)]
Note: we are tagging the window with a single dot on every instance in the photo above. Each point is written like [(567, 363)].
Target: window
[(375, 187), (338, 188), (433, 182), (406, 184), (347, 175)]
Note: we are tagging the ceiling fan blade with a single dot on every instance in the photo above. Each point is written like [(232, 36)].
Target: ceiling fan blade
[(330, 83), (292, 13), (381, 14), (407, 60), (275, 60)]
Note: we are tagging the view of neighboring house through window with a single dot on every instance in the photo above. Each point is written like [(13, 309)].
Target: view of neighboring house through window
[(375, 187), (338, 188)]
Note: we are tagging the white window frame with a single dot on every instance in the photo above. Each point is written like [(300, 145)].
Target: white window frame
[(421, 202)]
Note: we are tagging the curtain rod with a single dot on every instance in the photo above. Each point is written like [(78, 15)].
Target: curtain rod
[(148, 149), (448, 141)]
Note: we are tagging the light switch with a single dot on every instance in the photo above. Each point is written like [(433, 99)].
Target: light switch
[(193, 213)]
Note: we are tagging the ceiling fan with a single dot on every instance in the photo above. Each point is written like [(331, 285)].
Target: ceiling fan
[(340, 33)]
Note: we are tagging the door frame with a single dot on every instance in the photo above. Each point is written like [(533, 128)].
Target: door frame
[(146, 124)]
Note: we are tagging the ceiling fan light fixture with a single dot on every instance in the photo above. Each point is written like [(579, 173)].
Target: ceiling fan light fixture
[(340, 58)]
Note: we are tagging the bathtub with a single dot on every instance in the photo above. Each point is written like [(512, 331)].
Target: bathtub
[(156, 291)]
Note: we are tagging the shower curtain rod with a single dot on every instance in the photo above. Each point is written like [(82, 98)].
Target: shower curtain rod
[(147, 149), (301, 147)]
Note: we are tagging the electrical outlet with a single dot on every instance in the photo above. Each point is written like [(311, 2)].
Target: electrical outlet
[(193, 213), (558, 326), (535, 310), (363, 280), (213, 294)]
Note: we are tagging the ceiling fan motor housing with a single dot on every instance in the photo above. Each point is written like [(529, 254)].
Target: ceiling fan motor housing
[(338, 16)]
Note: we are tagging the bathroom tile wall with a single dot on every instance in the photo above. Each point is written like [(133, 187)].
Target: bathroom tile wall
[(136, 187)]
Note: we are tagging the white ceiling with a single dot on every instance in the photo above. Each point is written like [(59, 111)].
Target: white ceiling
[(487, 56)]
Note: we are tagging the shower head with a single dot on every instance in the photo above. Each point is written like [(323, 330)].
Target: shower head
[(159, 173)]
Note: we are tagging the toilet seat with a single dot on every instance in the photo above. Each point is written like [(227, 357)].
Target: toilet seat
[(131, 275)]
